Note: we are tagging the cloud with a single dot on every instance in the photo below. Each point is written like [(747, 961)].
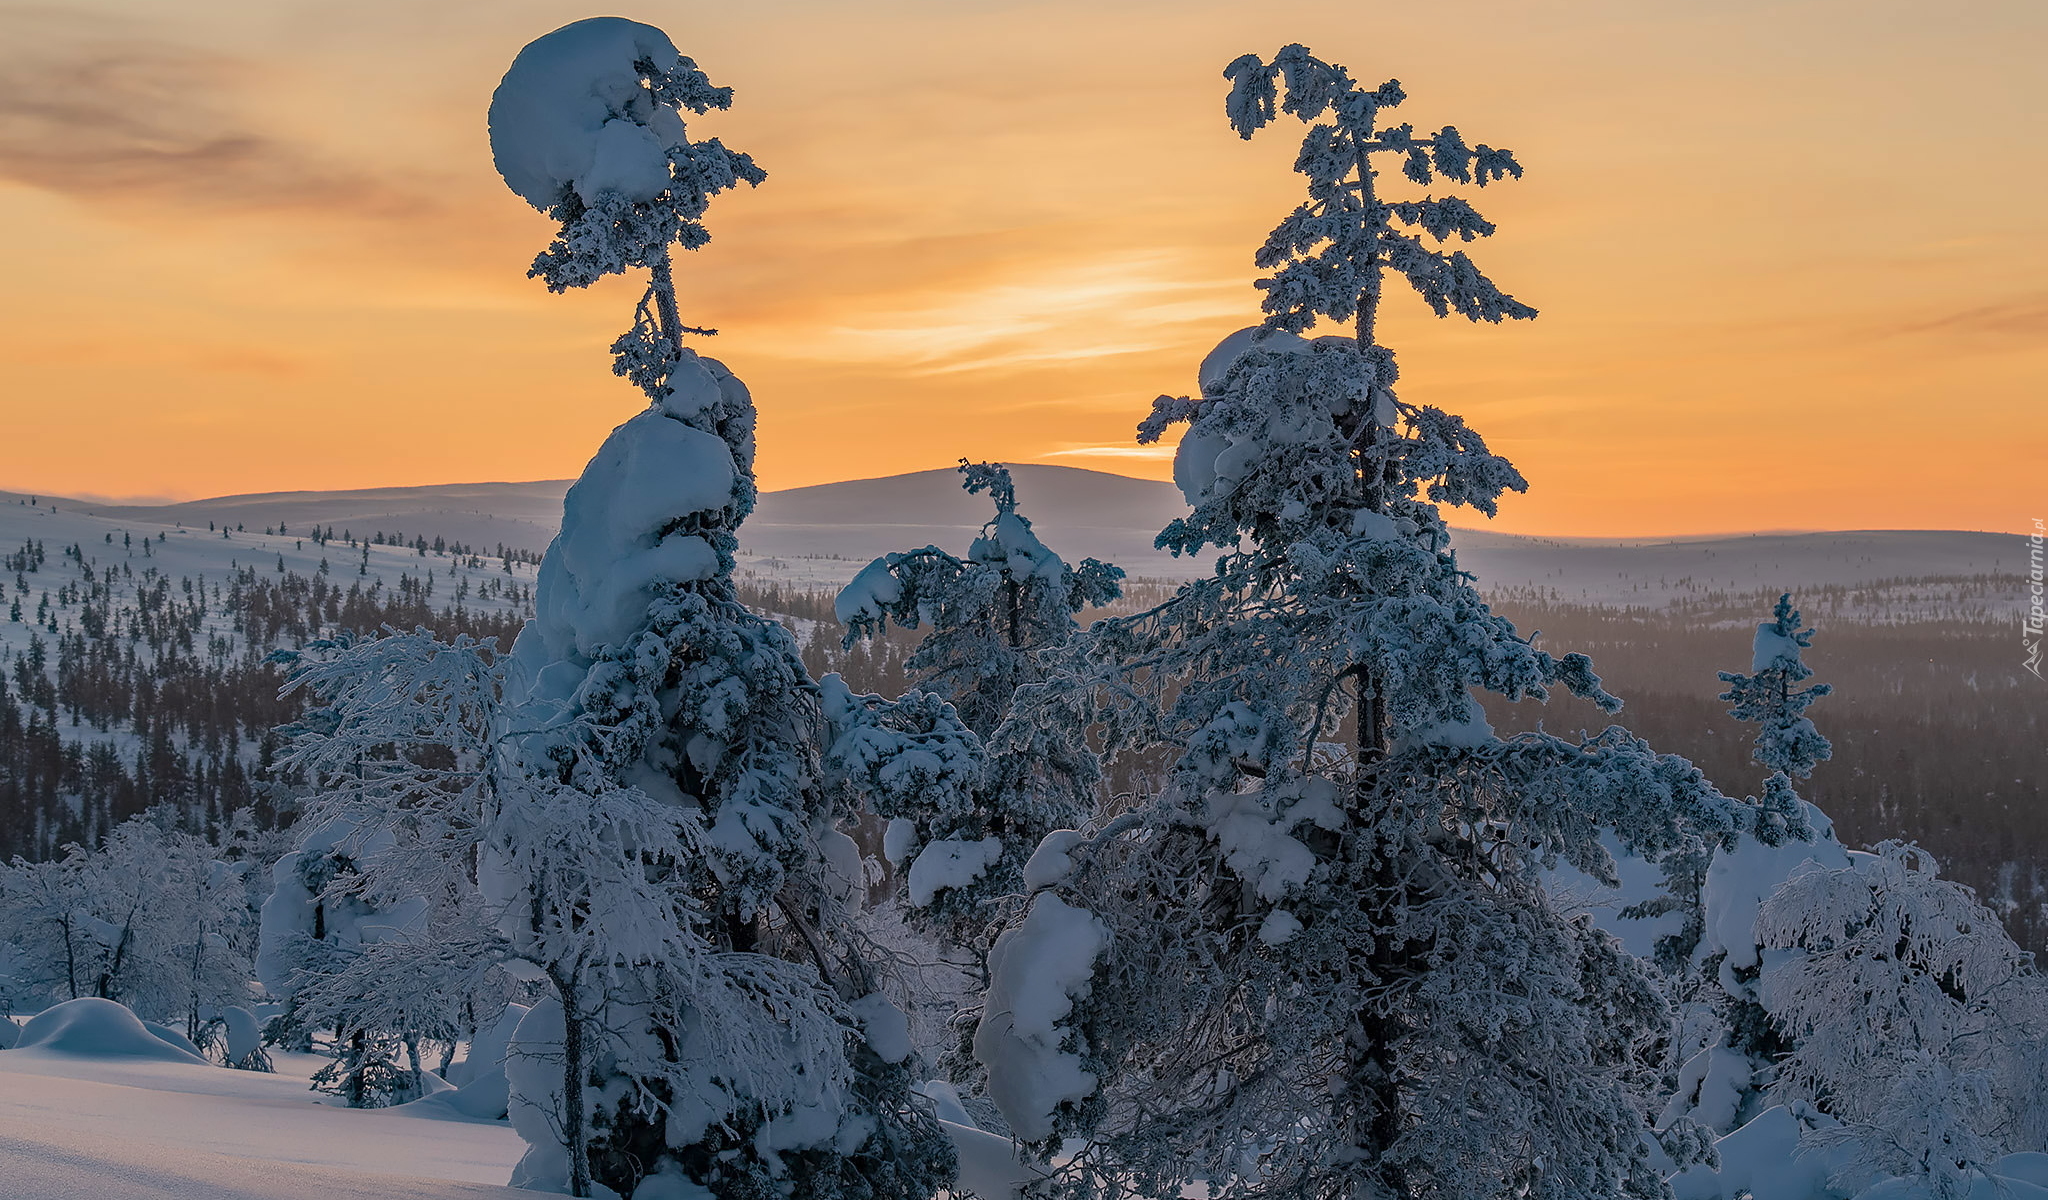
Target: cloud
[(1153, 453), (121, 119), (1037, 315), (2024, 317)]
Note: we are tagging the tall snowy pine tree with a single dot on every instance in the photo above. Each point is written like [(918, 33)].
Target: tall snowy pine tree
[(669, 859), (1321, 962)]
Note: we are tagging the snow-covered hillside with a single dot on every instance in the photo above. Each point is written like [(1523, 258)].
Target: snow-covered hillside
[(133, 653), (820, 536)]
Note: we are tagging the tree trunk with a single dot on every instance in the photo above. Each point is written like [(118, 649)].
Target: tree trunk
[(1373, 1055), (664, 282), (575, 1136)]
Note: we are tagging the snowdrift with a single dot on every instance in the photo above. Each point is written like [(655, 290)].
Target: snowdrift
[(94, 1028)]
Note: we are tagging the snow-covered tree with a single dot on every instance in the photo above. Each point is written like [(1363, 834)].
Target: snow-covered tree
[(665, 851), (1787, 744), (1731, 1047), (587, 127), (1911, 1015), (993, 615), (1322, 962), (990, 612), (154, 919), (399, 760)]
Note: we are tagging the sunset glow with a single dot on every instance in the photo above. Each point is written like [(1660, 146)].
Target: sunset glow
[(1789, 256)]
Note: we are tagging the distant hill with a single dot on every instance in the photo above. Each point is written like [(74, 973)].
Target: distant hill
[(818, 536)]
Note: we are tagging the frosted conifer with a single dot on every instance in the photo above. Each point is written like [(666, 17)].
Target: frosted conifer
[(1321, 963), (993, 614), (1714, 955), (668, 857)]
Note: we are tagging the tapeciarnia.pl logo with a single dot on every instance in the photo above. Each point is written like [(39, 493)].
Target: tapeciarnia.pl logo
[(2037, 601)]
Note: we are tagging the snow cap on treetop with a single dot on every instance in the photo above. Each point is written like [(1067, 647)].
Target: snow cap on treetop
[(1257, 337), (572, 112)]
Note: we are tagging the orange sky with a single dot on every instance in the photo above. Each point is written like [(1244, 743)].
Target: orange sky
[(1790, 255)]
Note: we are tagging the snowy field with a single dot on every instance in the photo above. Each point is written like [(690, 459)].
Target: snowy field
[(108, 1125)]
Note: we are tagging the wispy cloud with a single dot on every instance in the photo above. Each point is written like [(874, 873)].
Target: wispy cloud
[(1156, 453), (1038, 315), (2026, 316), (126, 120)]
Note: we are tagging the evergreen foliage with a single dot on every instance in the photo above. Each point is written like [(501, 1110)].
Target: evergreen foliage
[(1328, 967)]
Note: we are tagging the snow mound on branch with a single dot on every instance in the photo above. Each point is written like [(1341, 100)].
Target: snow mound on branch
[(989, 1166), (93, 1028), (886, 1028), (868, 594), (1036, 972), (287, 919), (1013, 546), (571, 112), (618, 539), (244, 1033), (1209, 463), (1740, 879), (950, 863), (533, 1065), (1773, 649), (1053, 861)]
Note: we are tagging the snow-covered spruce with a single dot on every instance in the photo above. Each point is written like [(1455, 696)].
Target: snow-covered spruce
[(990, 612), (1728, 1043), (993, 614), (1322, 967), (668, 861), (665, 852)]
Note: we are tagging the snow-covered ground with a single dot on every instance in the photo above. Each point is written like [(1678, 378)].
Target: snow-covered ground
[(111, 1126), (177, 551)]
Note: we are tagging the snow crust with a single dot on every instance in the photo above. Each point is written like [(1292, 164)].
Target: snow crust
[(1036, 972), (123, 1127), (571, 112)]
